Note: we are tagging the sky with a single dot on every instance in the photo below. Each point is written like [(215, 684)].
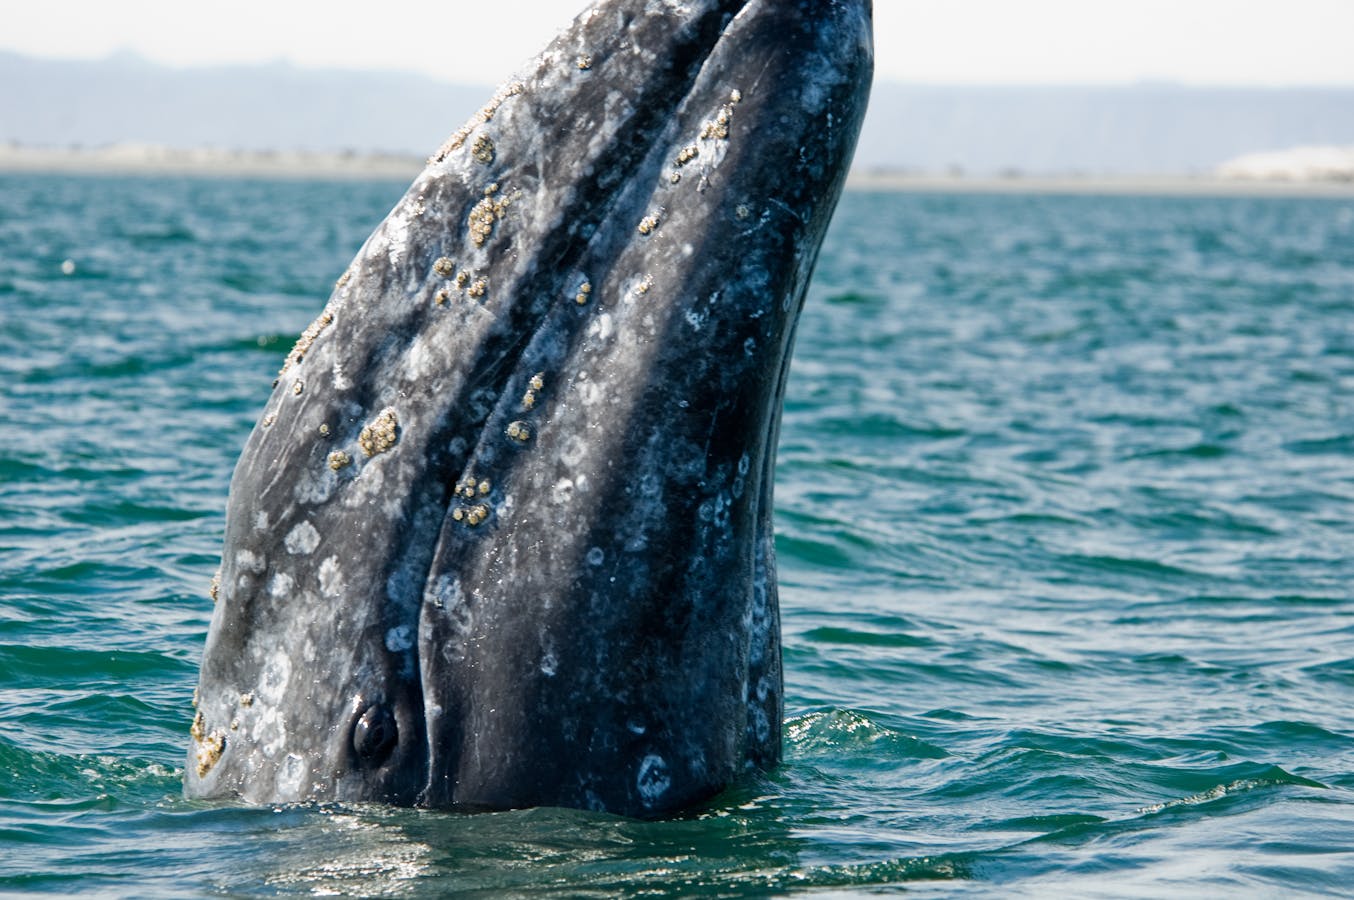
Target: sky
[(1195, 42)]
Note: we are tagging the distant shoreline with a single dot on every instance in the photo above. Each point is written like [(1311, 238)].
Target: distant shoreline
[(1124, 185), (124, 159), (136, 159)]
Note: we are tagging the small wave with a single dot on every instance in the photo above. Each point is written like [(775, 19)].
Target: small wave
[(882, 426), (1107, 565), (152, 236), (855, 298), (35, 664), (47, 780), (91, 374), (1273, 777), (1191, 451), (877, 874), (855, 637), (1336, 445), (1282, 736), (837, 733)]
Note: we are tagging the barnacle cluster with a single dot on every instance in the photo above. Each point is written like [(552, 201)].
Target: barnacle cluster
[(210, 746), (483, 149), (718, 127), (470, 488), (486, 114), (307, 338), (381, 434), (488, 211), (471, 515), (534, 386)]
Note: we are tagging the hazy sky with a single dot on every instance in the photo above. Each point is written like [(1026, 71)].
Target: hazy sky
[(1256, 42)]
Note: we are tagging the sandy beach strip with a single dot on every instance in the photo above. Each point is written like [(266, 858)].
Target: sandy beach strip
[(137, 159), (1124, 185)]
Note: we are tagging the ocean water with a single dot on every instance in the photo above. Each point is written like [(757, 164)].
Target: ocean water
[(1065, 520)]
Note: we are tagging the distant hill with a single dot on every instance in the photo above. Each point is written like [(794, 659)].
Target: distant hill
[(1141, 129), (127, 100), (1145, 129)]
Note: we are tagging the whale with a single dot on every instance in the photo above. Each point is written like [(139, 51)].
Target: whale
[(502, 536)]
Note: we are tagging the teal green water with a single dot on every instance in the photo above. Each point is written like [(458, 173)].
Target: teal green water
[(1065, 523)]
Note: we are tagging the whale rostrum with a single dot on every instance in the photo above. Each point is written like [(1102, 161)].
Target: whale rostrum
[(503, 535)]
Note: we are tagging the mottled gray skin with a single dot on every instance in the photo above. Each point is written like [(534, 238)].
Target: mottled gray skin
[(596, 625)]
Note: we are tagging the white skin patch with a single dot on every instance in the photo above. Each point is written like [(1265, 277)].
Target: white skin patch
[(280, 587), (573, 451), (402, 588), (591, 393), (249, 561), (371, 487), (446, 592), (341, 381), (331, 577), (761, 725), (654, 779), (563, 491), (397, 237), (276, 674), (399, 639), (302, 539), (601, 327), (290, 776), (269, 732), (315, 487), (419, 362)]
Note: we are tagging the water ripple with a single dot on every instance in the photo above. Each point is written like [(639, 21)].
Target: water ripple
[(1063, 532)]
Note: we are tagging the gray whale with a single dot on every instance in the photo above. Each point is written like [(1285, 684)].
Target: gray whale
[(502, 536)]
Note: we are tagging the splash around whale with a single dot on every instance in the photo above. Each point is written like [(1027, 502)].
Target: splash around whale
[(503, 534)]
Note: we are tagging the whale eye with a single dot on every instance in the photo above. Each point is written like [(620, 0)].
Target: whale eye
[(375, 735)]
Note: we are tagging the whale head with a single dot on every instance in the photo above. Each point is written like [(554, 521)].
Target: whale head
[(503, 534)]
